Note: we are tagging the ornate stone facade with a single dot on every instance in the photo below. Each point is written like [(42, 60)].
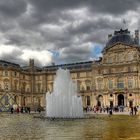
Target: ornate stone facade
[(114, 79)]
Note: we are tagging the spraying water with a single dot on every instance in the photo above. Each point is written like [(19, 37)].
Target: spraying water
[(63, 101)]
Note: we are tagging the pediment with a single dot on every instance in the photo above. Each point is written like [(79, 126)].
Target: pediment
[(118, 47)]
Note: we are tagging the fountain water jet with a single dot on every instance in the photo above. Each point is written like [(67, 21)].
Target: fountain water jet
[(63, 102)]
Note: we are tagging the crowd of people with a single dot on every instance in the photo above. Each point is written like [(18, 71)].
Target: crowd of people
[(20, 110), (109, 110), (23, 110)]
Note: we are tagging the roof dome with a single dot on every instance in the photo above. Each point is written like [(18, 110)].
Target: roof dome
[(122, 36)]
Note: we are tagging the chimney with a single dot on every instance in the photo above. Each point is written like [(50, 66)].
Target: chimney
[(31, 63), (136, 37), (109, 36)]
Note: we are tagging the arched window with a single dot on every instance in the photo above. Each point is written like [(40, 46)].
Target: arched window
[(100, 100), (16, 99)]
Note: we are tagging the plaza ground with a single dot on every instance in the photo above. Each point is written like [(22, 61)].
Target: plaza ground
[(101, 127)]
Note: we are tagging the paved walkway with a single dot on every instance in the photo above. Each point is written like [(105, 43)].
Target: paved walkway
[(114, 113)]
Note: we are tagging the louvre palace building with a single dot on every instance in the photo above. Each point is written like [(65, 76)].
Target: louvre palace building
[(112, 80)]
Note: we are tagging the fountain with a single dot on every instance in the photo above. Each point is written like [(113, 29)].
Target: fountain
[(63, 102)]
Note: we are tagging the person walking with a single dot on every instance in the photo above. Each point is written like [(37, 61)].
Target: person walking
[(131, 110)]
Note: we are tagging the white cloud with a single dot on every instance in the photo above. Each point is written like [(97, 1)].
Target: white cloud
[(8, 49), (44, 57), (22, 56)]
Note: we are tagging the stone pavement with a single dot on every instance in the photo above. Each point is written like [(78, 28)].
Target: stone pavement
[(114, 113)]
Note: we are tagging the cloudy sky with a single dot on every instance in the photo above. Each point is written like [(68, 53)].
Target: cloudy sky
[(61, 31)]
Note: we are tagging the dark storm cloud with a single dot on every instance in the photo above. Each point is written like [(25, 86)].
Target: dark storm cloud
[(12, 8), (94, 25), (51, 11), (113, 7), (15, 39), (75, 53), (68, 27), (101, 6)]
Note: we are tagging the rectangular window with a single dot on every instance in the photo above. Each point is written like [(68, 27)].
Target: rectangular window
[(50, 77), (120, 85), (110, 84), (5, 73), (88, 87), (109, 59), (88, 74), (6, 85), (100, 84), (78, 86), (130, 83), (14, 73), (78, 75)]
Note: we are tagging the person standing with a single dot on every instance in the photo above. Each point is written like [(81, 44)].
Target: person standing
[(135, 110), (110, 111), (17, 110), (12, 110)]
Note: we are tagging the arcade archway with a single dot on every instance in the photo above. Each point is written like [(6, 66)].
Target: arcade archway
[(100, 100), (120, 100)]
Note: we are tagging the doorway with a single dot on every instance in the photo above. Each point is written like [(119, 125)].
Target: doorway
[(120, 100), (100, 100), (111, 103), (88, 100)]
